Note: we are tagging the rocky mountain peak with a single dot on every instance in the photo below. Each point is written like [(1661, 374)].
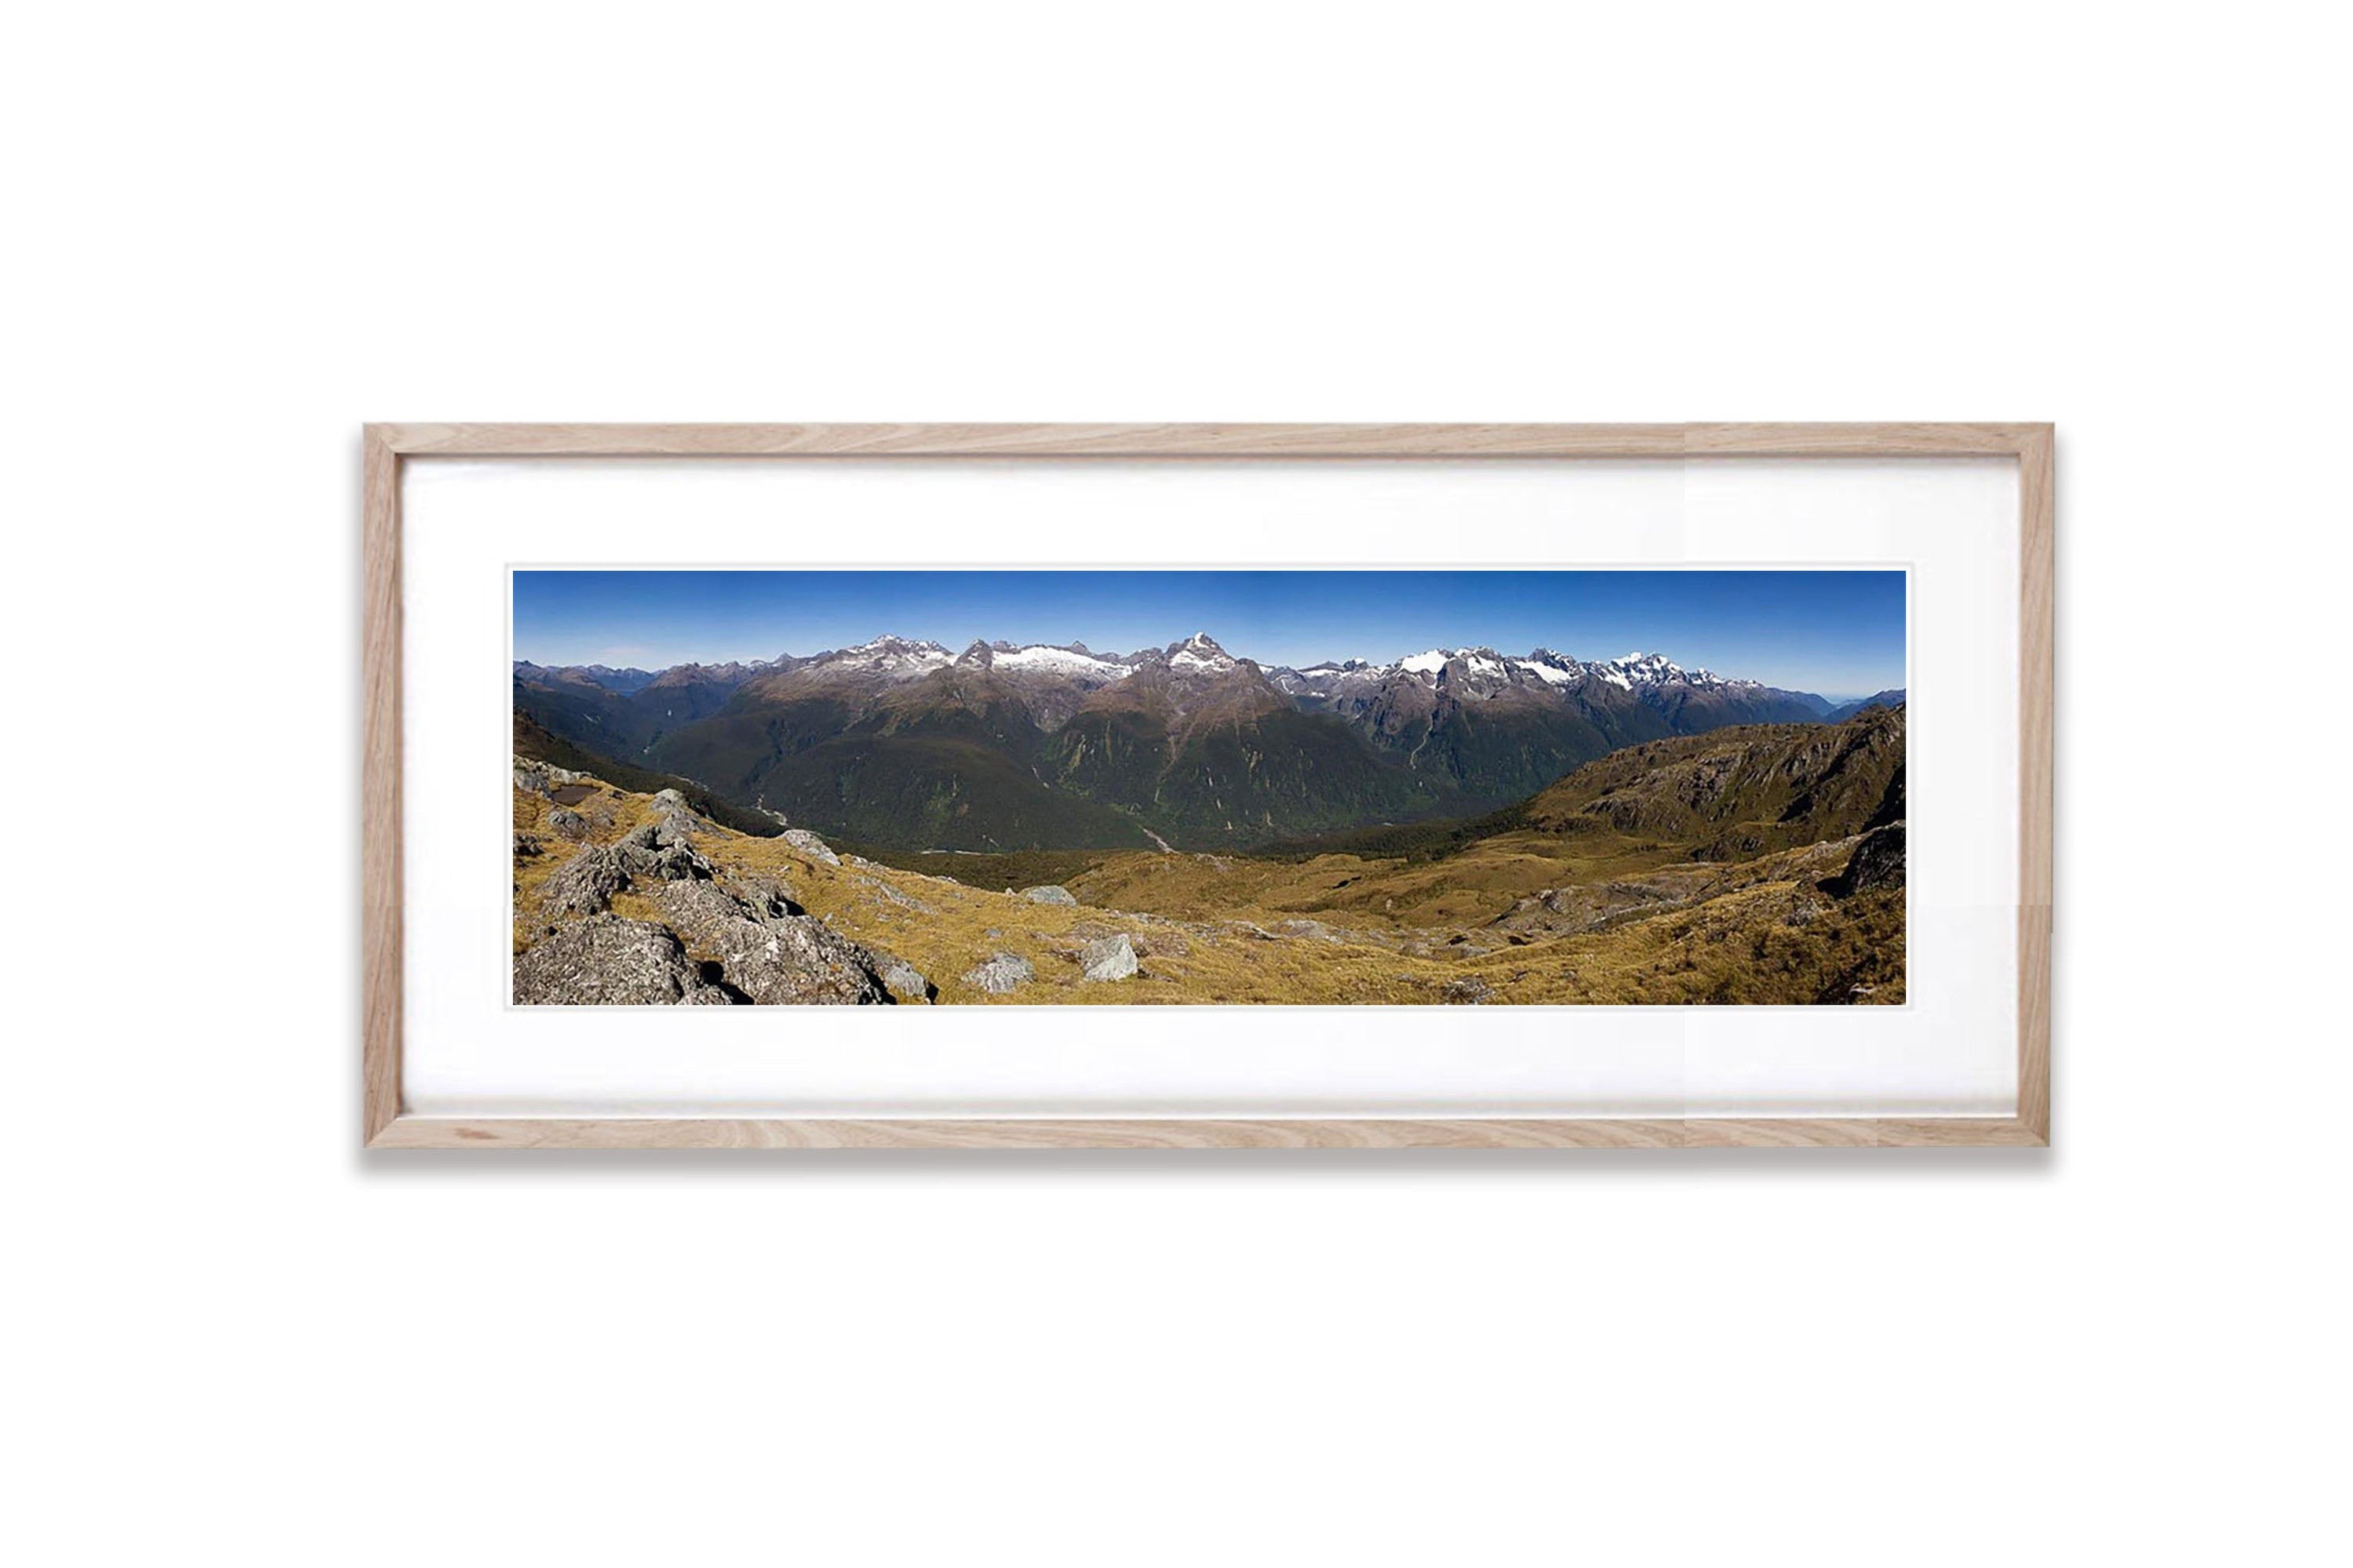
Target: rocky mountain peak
[(891, 656), (1199, 655)]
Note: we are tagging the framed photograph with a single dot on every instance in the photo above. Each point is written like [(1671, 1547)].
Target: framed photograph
[(1046, 787)]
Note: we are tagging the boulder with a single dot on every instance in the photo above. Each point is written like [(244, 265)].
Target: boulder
[(1001, 974), (568, 823), (585, 884), (527, 846), (1049, 895), (608, 961), (1877, 862), (1469, 991), (659, 851), (765, 895), (811, 845), (1108, 958), (535, 777), (774, 961), (904, 981), (672, 825)]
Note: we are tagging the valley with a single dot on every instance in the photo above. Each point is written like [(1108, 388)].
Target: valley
[(905, 744), (1748, 864)]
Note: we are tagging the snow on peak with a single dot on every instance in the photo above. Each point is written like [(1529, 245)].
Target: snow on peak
[(897, 658), (1200, 653), (1554, 669), (1645, 668), (1072, 662)]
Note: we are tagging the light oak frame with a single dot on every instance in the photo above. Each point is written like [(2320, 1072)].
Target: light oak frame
[(386, 446)]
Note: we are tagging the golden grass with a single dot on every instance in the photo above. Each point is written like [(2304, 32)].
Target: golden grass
[(1211, 928)]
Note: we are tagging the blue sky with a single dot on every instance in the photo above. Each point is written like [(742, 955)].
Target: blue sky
[(1837, 633)]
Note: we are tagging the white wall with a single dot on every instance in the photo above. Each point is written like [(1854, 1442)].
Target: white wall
[(243, 230)]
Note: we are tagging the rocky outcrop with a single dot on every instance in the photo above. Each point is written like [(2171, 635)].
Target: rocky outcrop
[(608, 961), (1049, 895), (567, 823), (1108, 958), (771, 960), (811, 845), (1556, 911), (585, 884), (535, 777), (740, 940), (1877, 862), (1001, 974), (661, 850), (766, 895)]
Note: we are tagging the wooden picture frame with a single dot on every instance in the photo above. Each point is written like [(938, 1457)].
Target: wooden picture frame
[(386, 446)]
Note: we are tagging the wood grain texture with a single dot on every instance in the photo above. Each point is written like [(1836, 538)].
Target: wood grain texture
[(2036, 763), (1858, 440), (1664, 441), (386, 446), (380, 782), (499, 1132), (1624, 441)]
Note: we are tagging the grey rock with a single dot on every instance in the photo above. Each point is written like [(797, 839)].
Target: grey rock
[(703, 914), (585, 884), (890, 895), (1049, 895), (1108, 958), (568, 823), (904, 981), (766, 896), (777, 961), (1877, 862), (659, 851), (1001, 973), (811, 845), (670, 827), (527, 846), (1469, 991), (536, 777), (608, 961)]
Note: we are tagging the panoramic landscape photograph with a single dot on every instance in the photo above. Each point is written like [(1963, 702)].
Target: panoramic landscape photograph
[(1383, 788)]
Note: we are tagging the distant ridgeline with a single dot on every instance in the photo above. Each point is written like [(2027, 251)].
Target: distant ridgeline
[(908, 746)]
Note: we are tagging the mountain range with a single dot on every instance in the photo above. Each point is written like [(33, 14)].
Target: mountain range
[(1003, 746)]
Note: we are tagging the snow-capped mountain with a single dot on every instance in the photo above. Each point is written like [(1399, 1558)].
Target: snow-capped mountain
[(1199, 655), (1073, 662), (1483, 671), (899, 735), (886, 658), (1464, 674)]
